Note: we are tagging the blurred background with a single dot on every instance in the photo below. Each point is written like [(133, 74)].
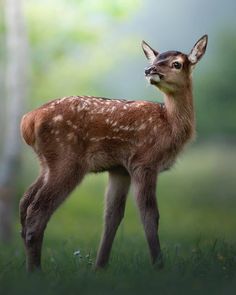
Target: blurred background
[(57, 48)]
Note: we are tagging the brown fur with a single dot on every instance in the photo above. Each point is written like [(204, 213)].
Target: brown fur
[(27, 129), (133, 140)]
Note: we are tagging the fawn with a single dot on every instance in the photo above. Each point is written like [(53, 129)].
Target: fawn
[(133, 140)]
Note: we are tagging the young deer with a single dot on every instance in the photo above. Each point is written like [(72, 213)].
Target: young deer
[(132, 140)]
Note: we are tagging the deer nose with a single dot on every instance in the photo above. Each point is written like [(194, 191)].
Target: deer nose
[(150, 70)]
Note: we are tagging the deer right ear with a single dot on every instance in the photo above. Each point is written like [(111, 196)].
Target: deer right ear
[(198, 50), (150, 53)]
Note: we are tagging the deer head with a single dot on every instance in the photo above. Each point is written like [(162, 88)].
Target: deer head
[(170, 71)]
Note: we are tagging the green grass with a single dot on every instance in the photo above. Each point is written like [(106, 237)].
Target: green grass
[(197, 203), (205, 269)]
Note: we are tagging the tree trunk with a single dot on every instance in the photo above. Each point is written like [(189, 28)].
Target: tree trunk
[(16, 76)]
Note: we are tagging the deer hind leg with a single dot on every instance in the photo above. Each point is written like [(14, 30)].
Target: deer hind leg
[(118, 187), (145, 195), (30, 194), (62, 179)]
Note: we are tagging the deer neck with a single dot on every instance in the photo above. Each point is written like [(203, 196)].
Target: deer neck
[(180, 113)]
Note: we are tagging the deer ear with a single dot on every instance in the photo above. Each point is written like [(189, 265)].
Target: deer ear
[(150, 53), (198, 50)]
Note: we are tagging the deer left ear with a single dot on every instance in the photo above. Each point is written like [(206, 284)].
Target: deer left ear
[(198, 50), (150, 53)]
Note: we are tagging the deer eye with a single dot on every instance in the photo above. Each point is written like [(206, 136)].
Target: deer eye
[(177, 65)]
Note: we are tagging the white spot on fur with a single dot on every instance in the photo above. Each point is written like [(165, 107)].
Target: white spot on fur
[(142, 127), (46, 176), (72, 107), (62, 99), (58, 118), (68, 122), (126, 128), (139, 104), (94, 139)]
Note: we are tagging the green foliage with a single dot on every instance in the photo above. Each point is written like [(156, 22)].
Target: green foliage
[(63, 38)]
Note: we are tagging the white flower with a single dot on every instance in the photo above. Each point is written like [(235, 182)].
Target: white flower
[(77, 253)]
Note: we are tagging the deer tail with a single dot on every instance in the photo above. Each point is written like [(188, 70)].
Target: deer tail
[(27, 128)]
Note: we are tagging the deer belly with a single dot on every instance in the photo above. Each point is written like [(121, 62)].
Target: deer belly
[(100, 161)]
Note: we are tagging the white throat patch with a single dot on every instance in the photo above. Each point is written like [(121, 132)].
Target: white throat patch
[(155, 78)]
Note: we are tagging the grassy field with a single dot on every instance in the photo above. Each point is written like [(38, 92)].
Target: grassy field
[(197, 201)]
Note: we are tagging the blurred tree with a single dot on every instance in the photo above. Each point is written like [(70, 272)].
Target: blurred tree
[(16, 75)]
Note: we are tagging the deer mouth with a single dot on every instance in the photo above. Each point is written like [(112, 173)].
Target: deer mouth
[(155, 78)]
